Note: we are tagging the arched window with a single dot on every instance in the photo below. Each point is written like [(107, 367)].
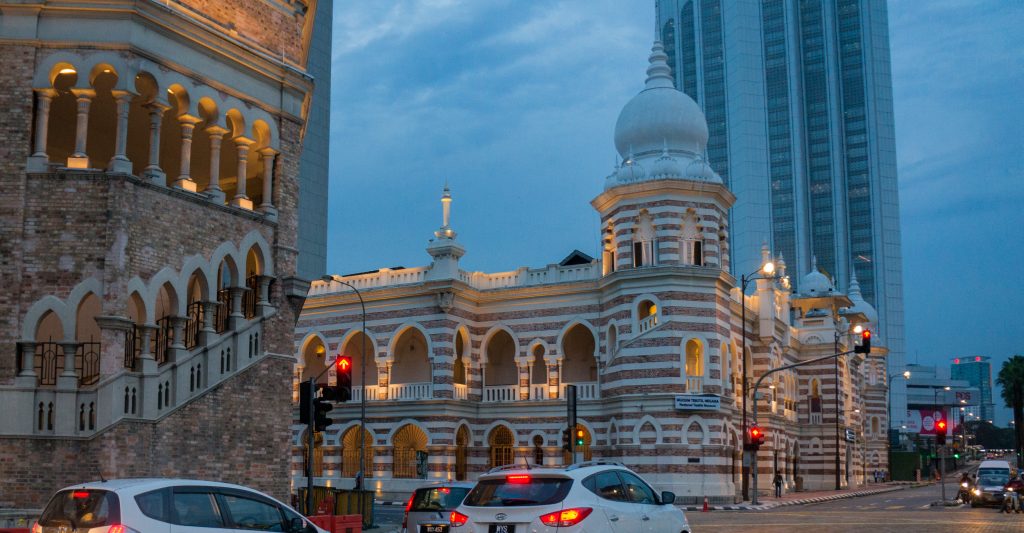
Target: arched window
[(815, 401), (314, 360), (87, 335), (461, 452), (694, 366), (411, 361), (538, 374), (538, 450), (409, 453), (502, 447), (647, 315), (350, 453), (691, 246), (501, 374), (579, 364), (613, 341), (354, 348), (608, 253), (644, 241), (459, 369), (48, 360), (874, 425)]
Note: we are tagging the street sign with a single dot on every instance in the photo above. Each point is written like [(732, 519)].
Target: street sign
[(698, 402), (851, 436)]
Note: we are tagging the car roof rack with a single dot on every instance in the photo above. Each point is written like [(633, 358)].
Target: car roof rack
[(584, 464)]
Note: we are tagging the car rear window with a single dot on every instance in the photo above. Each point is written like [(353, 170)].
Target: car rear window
[(502, 493), (82, 508), (438, 498), (994, 471)]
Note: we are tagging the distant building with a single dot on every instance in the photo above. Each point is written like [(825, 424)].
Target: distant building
[(977, 370), (931, 390), (798, 96)]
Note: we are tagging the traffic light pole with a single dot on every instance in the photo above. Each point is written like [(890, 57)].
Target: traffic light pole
[(757, 385), (309, 445)]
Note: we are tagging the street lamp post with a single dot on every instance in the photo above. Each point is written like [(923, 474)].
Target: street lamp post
[(888, 413), (360, 475), (766, 271)]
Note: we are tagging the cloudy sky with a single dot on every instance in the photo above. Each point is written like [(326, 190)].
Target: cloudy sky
[(514, 103)]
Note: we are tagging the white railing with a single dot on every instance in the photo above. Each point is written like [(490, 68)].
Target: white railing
[(815, 418), (694, 384), (501, 393), (410, 391), (648, 323), (538, 392), (384, 277), (461, 392), (587, 390), (371, 393)]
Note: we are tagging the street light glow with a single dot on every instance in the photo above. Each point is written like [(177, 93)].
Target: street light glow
[(906, 374), (768, 268)]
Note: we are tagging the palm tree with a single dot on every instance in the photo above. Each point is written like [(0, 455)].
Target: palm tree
[(1011, 379)]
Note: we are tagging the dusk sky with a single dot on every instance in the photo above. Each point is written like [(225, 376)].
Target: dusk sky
[(514, 103)]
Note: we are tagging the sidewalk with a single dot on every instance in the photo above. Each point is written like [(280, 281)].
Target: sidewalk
[(801, 498)]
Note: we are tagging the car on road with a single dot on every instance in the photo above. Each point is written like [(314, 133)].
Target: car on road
[(430, 506), (992, 477), (166, 506), (590, 496)]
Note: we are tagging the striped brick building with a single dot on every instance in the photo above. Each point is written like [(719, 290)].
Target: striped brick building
[(468, 370)]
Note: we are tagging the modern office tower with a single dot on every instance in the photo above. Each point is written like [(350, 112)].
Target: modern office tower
[(977, 370), (798, 98)]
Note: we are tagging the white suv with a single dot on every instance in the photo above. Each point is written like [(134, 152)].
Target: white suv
[(166, 506), (592, 496)]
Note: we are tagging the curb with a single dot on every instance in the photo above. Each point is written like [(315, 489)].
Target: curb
[(804, 501)]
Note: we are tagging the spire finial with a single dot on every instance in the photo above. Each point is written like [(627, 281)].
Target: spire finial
[(446, 211), (658, 72)]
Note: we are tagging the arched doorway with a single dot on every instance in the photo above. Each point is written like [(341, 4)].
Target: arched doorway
[(350, 453), (502, 446), (409, 453), (501, 374), (461, 452)]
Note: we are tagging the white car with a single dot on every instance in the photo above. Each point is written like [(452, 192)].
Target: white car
[(166, 506), (592, 496)]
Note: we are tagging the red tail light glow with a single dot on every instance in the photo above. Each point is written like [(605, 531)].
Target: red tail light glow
[(80, 494), (117, 529), (408, 507), (36, 528), (566, 517), (518, 479), (458, 519)]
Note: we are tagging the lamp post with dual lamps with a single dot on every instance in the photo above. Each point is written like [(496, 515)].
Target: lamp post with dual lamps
[(767, 271)]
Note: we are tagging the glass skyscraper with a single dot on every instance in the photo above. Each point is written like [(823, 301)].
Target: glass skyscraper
[(798, 98), (977, 370)]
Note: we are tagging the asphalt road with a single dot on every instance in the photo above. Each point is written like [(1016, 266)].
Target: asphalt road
[(902, 511)]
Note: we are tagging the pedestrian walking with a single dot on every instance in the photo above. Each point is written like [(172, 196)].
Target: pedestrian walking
[(778, 485)]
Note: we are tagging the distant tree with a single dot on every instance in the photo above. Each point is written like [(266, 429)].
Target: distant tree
[(988, 436), (1011, 379)]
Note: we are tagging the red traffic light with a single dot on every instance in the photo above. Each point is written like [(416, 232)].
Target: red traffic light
[(866, 334), (754, 432), (344, 363), (941, 425)]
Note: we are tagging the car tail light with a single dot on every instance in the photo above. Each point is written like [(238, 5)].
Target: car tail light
[(408, 507), (566, 517), (80, 494), (36, 528), (117, 529), (518, 479), (458, 519)]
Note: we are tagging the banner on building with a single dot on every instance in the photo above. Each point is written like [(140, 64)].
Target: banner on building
[(698, 402), (923, 420)]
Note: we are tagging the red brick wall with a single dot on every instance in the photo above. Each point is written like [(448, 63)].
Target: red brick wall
[(258, 22), (238, 432)]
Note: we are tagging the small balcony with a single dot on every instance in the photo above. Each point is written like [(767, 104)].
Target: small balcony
[(461, 391), (410, 391), (501, 393)]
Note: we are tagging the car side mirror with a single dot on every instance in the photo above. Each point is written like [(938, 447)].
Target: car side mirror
[(668, 498), (298, 525)]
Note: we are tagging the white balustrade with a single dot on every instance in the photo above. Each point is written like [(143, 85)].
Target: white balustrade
[(410, 391), (694, 384), (587, 390), (538, 392), (371, 393), (648, 323), (461, 392), (501, 393)]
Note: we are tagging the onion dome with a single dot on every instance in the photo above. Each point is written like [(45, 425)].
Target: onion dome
[(660, 115), (860, 305), (666, 166), (630, 171), (815, 283)]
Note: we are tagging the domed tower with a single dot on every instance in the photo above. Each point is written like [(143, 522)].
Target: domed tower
[(663, 205)]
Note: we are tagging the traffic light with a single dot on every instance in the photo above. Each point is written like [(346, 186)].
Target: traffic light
[(321, 406), (343, 367), (940, 432), (579, 437), (565, 440), (756, 437), (865, 342), (304, 398)]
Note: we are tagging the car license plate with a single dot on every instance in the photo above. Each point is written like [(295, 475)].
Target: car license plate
[(502, 528), (434, 528)]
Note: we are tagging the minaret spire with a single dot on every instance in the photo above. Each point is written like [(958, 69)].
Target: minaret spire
[(446, 211)]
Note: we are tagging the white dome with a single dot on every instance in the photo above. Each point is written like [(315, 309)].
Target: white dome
[(660, 115), (860, 305), (666, 166), (815, 283)]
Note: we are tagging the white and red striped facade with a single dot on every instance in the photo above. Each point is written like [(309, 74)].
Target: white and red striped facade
[(469, 369)]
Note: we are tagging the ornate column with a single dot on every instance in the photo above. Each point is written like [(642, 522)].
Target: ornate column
[(120, 163), (153, 170), (27, 376), (113, 330), (213, 188), (263, 295), (524, 380), (68, 377), (83, 98), (39, 160), (184, 180), (147, 363), (241, 200), (236, 317), (207, 332), (553, 378), (267, 206)]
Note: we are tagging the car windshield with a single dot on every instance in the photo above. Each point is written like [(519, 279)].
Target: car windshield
[(991, 480), (994, 471), (532, 491), (81, 508), (438, 498)]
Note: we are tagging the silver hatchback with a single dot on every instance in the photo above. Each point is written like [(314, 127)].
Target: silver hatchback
[(429, 507)]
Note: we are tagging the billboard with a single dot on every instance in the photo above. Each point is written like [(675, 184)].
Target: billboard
[(923, 420)]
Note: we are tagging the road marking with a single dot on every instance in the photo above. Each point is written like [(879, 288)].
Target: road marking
[(895, 506)]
